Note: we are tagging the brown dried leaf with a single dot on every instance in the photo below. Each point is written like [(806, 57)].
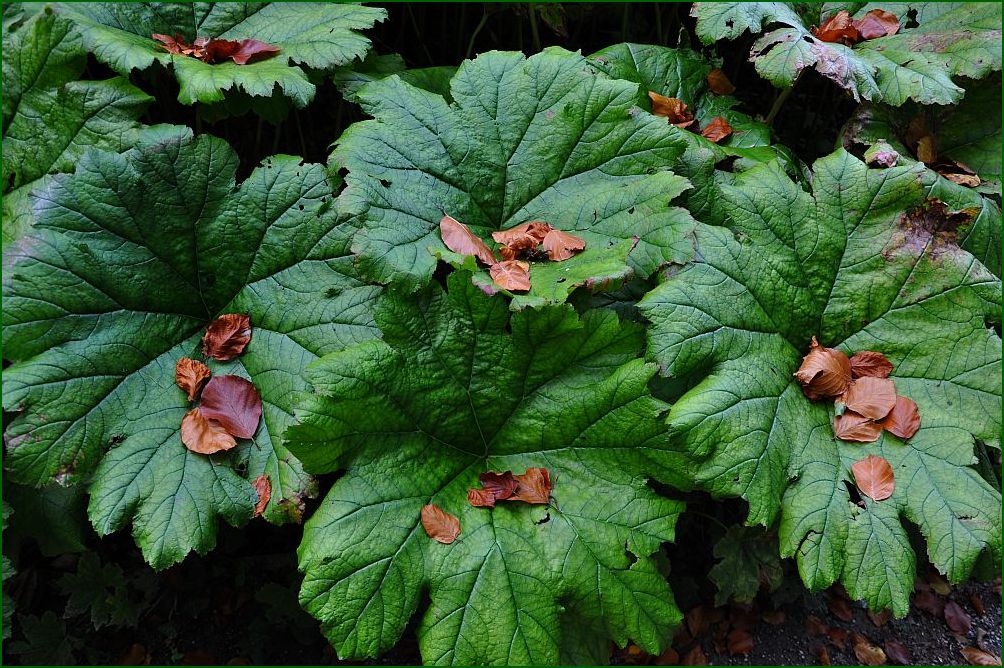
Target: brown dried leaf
[(967, 180), (926, 150), (838, 28), (717, 130), (867, 653), (881, 617), (837, 636), (190, 374), (480, 498), (535, 230), (957, 619), (904, 419), (977, 602), (870, 363), (695, 657), (227, 336), (673, 109), (562, 245), (234, 403), (898, 652), (459, 239), (877, 23), (511, 275), (815, 626), (668, 658), (241, 52), (929, 603), (874, 477), (839, 606), (853, 427), (175, 45), (263, 487), (534, 486), (774, 617), (825, 372), (204, 436), (494, 487), (874, 398), (823, 656), (439, 524), (977, 657), (740, 642), (136, 655), (719, 83)]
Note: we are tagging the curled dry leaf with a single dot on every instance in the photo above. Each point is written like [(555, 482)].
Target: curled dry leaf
[(494, 487), (695, 657), (561, 245), (241, 52), (717, 130), (825, 372), (838, 28), (227, 336), (740, 642), (204, 436), (672, 108), (511, 275), (534, 486), (263, 487), (190, 374), (439, 524), (904, 419), (459, 239), (234, 403), (871, 397), (719, 83), (534, 231), (957, 619), (877, 23), (853, 427), (898, 652), (867, 653), (874, 477), (870, 363), (977, 657), (967, 180), (929, 602)]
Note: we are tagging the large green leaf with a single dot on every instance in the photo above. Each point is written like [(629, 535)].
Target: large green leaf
[(918, 62), (49, 118), (863, 266), (540, 138), (318, 35), (130, 259), (460, 385)]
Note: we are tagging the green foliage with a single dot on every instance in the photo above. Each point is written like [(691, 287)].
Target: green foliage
[(864, 264), (44, 641), (101, 591), (748, 560), (458, 386), (55, 517)]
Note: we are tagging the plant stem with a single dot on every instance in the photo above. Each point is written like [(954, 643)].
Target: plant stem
[(474, 35), (533, 28), (778, 103)]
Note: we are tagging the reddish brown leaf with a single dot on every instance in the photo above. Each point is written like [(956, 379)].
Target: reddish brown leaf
[(840, 608), (494, 487), (815, 626), (926, 149), (204, 436), (904, 419), (480, 498), (673, 109), (877, 23), (825, 372), (853, 427), (534, 486), (241, 52), (957, 619), (740, 642), (719, 83), (511, 275), (870, 363), (838, 28), (867, 653), (695, 657), (967, 180), (881, 617), (459, 239), (871, 397), (668, 658), (234, 403), (697, 620), (823, 656), (898, 652), (977, 603), (136, 655), (562, 245), (929, 603), (774, 617), (977, 657), (837, 636), (717, 130), (535, 230), (874, 477), (190, 374), (263, 487), (227, 336), (439, 524), (170, 44)]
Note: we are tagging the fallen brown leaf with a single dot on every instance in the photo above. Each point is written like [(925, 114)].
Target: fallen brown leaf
[(877, 23), (534, 486), (459, 239), (871, 397), (874, 477), (837, 637), (823, 656), (904, 419), (881, 617), (898, 652), (204, 436), (929, 602), (838, 28), (719, 83), (957, 619), (697, 620), (262, 487), (439, 524), (853, 427), (740, 642), (815, 626), (825, 372), (668, 658), (967, 180), (867, 653), (494, 487), (241, 52), (234, 403), (977, 602), (840, 608), (513, 275), (717, 130), (227, 336), (672, 108), (535, 230), (190, 374), (977, 657), (870, 363), (774, 617), (695, 657), (562, 245), (926, 150)]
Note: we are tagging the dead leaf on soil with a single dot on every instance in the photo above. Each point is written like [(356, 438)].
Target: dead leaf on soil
[(825, 372), (717, 130), (740, 642), (867, 653), (898, 652), (874, 398), (204, 436), (881, 617), (439, 524), (234, 403), (929, 602), (815, 626), (874, 477), (190, 374), (774, 617), (561, 246), (459, 239), (823, 656), (695, 657), (719, 83), (227, 336), (977, 657), (857, 428), (904, 419), (957, 619), (263, 487), (513, 275), (673, 109)]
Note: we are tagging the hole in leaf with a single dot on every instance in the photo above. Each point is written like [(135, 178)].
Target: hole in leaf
[(385, 183), (911, 19), (545, 519), (632, 559), (996, 326), (855, 495), (560, 280), (631, 210)]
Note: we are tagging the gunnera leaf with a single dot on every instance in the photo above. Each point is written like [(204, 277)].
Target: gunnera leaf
[(460, 386), (350, 78), (919, 62), (49, 118), (864, 262), (315, 35), (132, 257), (540, 138), (748, 560)]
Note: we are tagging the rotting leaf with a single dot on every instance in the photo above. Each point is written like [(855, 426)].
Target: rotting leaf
[(870, 363), (898, 652), (904, 419), (562, 245), (977, 657), (534, 231), (877, 23), (672, 108), (227, 336), (439, 524), (719, 84), (851, 426), (234, 403), (494, 487), (868, 653), (263, 487), (204, 436), (459, 239), (190, 374), (958, 620), (874, 477), (740, 642), (717, 130), (534, 486), (511, 275), (871, 397), (838, 28), (825, 372), (214, 51)]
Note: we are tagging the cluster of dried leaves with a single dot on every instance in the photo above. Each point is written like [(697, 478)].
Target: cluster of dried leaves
[(229, 406), (533, 487), (533, 241), (214, 51), (679, 115), (842, 29), (924, 145)]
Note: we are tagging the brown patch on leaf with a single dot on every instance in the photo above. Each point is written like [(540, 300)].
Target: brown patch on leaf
[(227, 336), (263, 487), (870, 363), (234, 403), (673, 109), (874, 477), (561, 246), (931, 224), (877, 23), (717, 130), (513, 275), (534, 486), (825, 372), (439, 524), (204, 436), (904, 419), (719, 83), (190, 374), (871, 397), (838, 28), (459, 239), (867, 653)]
